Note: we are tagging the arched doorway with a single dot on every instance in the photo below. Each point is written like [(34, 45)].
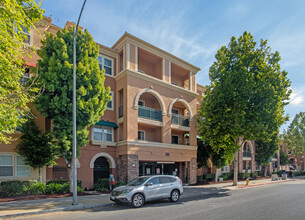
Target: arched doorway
[(101, 169)]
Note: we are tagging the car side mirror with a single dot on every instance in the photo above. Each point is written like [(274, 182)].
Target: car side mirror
[(148, 184)]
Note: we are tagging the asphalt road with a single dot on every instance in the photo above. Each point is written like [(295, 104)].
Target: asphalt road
[(276, 201)]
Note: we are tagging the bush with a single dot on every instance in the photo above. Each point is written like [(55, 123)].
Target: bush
[(62, 182), (12, 188), (226, 176), (208, 177), (54, 188), (102, 184), (199, 178), (36, 188), (121, 183), (254, 175), (244, 175)]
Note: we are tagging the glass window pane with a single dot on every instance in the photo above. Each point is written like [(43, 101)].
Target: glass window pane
[(108, 137), (23, 171), (97, 136), (98, 130), (6, 160), (109, 104), (6, 171), (20, 160), (108, 70), (107, 62)]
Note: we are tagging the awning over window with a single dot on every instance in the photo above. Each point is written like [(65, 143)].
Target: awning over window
[(199, 138), (30, 64), (107, 124)]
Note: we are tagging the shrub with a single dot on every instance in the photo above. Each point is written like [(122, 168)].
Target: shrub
[(226, 176), (199, 178), (53, 188), (102, 184), (121, 183), (254, 175), (36, 188), (12, 188), (244, 175), (79, 182), (210, 176)]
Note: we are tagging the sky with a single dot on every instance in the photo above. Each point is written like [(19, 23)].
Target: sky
[(194, 30)]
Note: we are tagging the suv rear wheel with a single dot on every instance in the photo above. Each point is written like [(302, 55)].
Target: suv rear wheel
[(175, 195), (137, 200)]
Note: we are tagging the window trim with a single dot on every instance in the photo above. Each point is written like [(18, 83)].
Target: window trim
[(13, 170), (143, 135), (103, 65), (112, 101), (102, 127), (14, 166)]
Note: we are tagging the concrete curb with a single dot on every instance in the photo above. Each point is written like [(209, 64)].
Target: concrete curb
[(60, 209), (273, 182)]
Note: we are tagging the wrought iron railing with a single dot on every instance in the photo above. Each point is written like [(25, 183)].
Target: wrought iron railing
[(247, 154), (121, 111), (180, 120), (150, 113)]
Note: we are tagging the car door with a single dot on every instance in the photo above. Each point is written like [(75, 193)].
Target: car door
[(165, 186), (152, 191)]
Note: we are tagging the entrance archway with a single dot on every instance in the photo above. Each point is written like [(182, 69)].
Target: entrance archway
[(101, 169)]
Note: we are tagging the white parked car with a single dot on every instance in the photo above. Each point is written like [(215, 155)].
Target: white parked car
[(148, 188)]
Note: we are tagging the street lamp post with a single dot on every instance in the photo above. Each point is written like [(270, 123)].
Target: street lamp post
[(74, 171)]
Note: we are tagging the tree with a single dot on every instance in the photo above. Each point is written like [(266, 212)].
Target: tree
[(264, 151), (294, 137), (14, 16), (283, 158), (246, 97), (56, 76), (36, 146), (206, 152)]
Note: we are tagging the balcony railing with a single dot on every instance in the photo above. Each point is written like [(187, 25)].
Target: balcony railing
[(150, 113), (121, 111), (247, 154), (180, 120)]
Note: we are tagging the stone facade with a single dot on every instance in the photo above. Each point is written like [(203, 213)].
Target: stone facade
[(192, 171), (128, 167)]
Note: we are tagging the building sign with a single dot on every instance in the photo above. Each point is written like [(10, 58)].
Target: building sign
[(158, 170)]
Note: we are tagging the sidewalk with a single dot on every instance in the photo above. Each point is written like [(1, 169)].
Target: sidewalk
[(30, 207)]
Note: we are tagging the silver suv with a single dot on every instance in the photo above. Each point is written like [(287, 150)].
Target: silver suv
[(148, 188)]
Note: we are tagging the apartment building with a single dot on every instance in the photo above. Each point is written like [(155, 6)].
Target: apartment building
[(149, 126)]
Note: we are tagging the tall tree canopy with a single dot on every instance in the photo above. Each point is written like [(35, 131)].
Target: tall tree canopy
[(56, 76), (16, 17), (294, 137), (36, 146), (283, 158), (246, 97)]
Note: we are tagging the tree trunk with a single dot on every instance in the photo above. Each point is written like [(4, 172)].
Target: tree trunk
[(235, 178), (39, 174), (266, 168), (216, 174)]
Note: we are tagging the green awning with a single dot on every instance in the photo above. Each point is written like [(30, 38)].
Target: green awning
[(107, 124), (199, 138)]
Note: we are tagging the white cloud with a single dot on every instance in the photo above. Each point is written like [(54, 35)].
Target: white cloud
[(297, 97)]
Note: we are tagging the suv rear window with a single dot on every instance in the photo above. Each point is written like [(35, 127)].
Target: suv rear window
[(172, 179), (164, 179)]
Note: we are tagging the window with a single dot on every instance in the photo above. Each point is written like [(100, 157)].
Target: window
[(164, 179), (27, 35), (107, 64), (225, 169), (141, 135), (6, 165), (141, 103), (175, 139), (102, 133), (24, 78), (154, 181), (21, 168), (110, 103), (258, 167)]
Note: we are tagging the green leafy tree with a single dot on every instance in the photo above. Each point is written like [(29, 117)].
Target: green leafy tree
[(206, 152), (294, 137), (264, 151), (283, 158), (14, 16), (36, 146), (246, 97), (56, 76)]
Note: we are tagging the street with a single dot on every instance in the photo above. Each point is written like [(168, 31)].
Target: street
[(276, 201)]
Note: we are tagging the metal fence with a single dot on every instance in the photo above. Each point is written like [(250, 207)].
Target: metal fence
[(180, 120), (150, 113)]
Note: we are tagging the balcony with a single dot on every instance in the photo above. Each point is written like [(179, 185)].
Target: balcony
[(247, 154), (121, 111), (180, 120), (150, 113)]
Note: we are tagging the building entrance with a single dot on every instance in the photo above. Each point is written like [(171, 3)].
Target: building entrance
[(101, 169), (158, 168)]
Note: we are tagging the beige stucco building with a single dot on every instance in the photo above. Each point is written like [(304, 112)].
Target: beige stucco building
[(149, 126)]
